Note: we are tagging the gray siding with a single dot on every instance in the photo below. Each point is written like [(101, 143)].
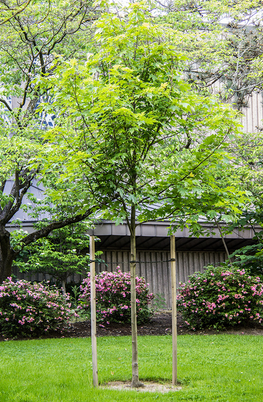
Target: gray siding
[(253, 114), (154, 266)]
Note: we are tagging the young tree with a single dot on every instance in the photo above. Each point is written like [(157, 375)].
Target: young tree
[(135, 128)]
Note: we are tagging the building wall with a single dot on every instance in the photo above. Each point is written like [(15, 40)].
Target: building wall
[(253, 114), (154, 266)]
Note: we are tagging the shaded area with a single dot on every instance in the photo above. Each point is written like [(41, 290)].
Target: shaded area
[(160, 324)]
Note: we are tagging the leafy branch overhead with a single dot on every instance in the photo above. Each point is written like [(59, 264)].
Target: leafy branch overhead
[(136, 128)]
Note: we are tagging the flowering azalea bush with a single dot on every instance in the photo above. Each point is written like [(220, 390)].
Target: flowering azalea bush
[(113, 300), (28, 309), (221, 297)]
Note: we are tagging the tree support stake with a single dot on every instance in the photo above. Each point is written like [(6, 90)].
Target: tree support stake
[(93, 311), (174, 308)]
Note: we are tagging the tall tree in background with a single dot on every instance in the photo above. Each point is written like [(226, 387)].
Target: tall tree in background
[(224, 41), (29, 43), (248, 153), (135, 128)]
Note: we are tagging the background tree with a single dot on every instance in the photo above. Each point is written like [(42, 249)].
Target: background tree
[(226, 56), (62, 253), (29, 43), (224, 41), (248, 153), (136, 129)]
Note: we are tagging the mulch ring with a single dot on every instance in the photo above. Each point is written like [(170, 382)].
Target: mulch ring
[(148, 386)]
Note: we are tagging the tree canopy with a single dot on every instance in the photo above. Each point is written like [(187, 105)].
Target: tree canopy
[(224, 41)]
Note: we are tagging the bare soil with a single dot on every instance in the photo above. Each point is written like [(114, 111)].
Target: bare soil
[(160, 324), (148, 386)]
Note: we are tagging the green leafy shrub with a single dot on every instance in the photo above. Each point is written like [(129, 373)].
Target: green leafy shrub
[(28, 309), (61, 254), (159, 302), (113, 297), (221, 297), (250, 258)]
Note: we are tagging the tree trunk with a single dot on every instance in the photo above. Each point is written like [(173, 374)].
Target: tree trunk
[(135, 372), (63, 285), (224, 242), (6, 255)]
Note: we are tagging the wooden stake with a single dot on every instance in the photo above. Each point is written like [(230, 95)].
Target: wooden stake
[(93, 311), (135, 370), (174, 308)]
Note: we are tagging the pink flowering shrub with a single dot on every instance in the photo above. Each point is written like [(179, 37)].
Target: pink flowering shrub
[(28, 309), (113, 297), (221, 297)]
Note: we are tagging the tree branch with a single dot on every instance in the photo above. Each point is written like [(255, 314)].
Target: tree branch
[(32, 237), (13, 205), (16, 13), (6, 104)]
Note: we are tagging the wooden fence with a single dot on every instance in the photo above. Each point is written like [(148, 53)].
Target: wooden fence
[(154, 266)]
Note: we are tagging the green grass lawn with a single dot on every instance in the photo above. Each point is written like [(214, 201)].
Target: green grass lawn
[(210, 368)]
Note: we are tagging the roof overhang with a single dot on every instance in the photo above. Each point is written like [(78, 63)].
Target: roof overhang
[(155, 236)]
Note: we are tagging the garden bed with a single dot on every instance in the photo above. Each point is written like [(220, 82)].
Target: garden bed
[(160, 324)]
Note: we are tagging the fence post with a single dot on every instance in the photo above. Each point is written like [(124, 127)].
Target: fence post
[(174, 309), (93, 311)]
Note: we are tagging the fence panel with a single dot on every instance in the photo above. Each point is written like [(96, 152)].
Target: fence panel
[(154, 266)]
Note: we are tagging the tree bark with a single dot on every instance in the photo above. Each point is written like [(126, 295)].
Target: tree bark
[(224, 242), (135, 371), (6, 254), (63, 285)]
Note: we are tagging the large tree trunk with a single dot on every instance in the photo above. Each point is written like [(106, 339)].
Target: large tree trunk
[(6, 255), (135, 372)]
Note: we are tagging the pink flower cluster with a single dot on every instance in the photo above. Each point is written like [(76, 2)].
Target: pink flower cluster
[(113, 296), (32, 309), (221, 297)]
